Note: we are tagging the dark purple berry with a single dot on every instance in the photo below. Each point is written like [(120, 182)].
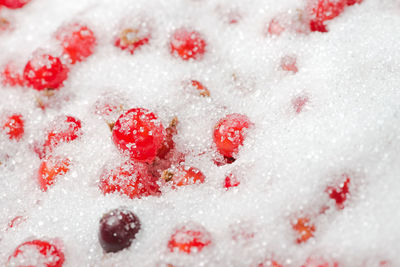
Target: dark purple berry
[(117, 229)]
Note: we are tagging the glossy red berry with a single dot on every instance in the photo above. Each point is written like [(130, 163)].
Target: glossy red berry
[(45, 72), (184, 176), (131, 39), (118, 228), (139, 133), (14, 4), (130, 179), (319, 262), (13, 126), (231, 181), (78, 42), (230, 133), (289, 63), (37, 253), (187, 44), (324, 10), (11, 76), (189, 239), (339, 193), (304, 229), (63, 130), (50, 169)]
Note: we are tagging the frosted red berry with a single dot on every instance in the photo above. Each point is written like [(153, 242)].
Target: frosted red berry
[(231, 181), (319, 262), (118, 228), (14, 4), (187, 44), (45, 72), (230, 133), (324, 10), (36, 253), (189, 239), (50, 169), (131, 39), (304, 229), (339, 193), (11, 76), (139, 133), (130, 179), (13, 126), (184, 176), (78, 42)]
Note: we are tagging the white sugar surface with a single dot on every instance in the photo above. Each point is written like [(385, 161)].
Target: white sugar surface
[(351, 124)]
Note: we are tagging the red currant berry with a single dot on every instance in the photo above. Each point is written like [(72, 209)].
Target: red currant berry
[(288, 63), (14, 4), (319, 262), (14, 127), (139, 133), (324, 10), (36, 253), (304, 228), (63, 130), (45, 72), (188, 239), (118, 228), (78, 42), (131, 39), (231, 181), (299, 103), (11, 76), (168, 143), (50, 169), (184, 176), (339, 194), (187, 44), (130, 179), (229, 134)]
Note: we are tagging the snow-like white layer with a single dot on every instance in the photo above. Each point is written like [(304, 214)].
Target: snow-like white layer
[(351, 124)]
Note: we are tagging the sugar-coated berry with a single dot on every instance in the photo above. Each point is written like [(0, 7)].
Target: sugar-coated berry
[(63, 130), (130, 179), (131, 39), (339, 193), (14, 4), (304, 229), (45, 72), (50, 169), (78, 42), (36, 253), (189, 239), (118, 228), (231, 181), (139, 133), (13, 126), (289, 63), (319, 262), (11, 76), (324, 10), (184, 176), (229, 134), (187, 44)]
